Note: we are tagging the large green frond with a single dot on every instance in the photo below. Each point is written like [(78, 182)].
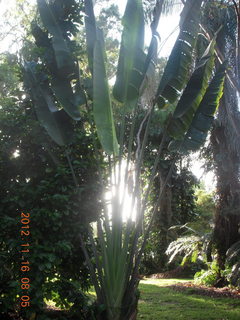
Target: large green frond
[(72, 99), (192, 95), (91, 31), (60, 62), (176, 71), (56, 122), (131, 58), (62, 53), (204, 116), (102, 107)]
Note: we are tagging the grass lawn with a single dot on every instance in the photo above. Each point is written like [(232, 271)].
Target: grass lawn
[(159, 302)]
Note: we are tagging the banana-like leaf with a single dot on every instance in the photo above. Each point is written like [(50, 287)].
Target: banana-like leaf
[(56, 122), (176, 71), (59, 62), (91, 33), (62, 53), (192, 95), (153, 47), (132, 59), (71, 101), (204, 116), (102, 107)]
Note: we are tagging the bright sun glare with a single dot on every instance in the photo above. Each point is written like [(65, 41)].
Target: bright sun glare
[(124, 191)]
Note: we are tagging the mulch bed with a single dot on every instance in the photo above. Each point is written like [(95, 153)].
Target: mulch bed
[(179, 272), (190, 288)]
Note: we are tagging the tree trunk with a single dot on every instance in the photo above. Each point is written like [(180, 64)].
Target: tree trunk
[(163, 219), (227, 215), (130, 303)]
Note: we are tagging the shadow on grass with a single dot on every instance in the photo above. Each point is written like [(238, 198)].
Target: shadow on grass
[(158, 301)]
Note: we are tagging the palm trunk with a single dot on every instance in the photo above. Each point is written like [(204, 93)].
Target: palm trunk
[(227, 218), (225, 143)]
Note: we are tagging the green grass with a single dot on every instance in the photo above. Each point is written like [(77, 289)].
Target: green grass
[(159, 302)]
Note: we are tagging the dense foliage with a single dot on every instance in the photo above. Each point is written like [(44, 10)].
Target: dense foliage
[(177, 208), (36, 178)]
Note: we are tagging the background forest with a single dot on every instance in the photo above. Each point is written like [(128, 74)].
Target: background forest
[(56, 172)]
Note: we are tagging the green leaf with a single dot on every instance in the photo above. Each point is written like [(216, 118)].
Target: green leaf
[(59, 61), (70, 101), (192, 94), (131, 58), (91, 33), (56, 122), (102, 108), (177, 69), (204, 116), (63, 56)]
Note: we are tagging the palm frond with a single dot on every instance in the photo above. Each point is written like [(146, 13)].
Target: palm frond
[(186, 247), (190, 247), (233, 260)]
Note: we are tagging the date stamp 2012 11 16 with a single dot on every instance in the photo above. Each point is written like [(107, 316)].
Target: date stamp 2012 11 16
[(25, 267)]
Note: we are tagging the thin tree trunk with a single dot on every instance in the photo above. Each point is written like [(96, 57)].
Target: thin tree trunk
[(163, 219)]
